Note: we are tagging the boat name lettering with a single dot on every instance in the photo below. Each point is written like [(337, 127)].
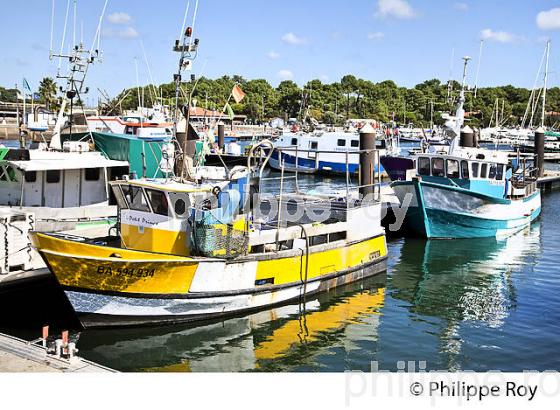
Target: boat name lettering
[(141, 220), (127, 272)]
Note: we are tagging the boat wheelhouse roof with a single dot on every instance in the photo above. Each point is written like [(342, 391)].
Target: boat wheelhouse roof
[(68, 160), (473, 154), (168, 185)]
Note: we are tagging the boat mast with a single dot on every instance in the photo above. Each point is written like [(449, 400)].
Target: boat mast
[(460, 112), (545, 81), (79, 60), (188, 50)]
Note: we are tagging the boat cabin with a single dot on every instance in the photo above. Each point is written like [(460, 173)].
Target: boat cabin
[(486, 172), (58, 179)]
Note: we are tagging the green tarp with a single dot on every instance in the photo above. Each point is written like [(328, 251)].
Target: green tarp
[(137, 151)]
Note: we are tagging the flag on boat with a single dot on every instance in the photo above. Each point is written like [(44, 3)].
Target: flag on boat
[(229, 111), (237, 93), (26, 86)]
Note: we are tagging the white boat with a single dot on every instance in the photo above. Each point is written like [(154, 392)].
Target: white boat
[(59, 188), (325, 152)]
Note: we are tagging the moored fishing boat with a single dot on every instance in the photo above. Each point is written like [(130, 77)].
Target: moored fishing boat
[(198, 245), (469, 193), (321, 152), (180, 258)]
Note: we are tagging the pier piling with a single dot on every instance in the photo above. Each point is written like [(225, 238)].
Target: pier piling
[(367, 170), (221, 135)]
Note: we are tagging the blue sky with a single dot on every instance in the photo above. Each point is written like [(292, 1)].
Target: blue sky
[(407, 41)]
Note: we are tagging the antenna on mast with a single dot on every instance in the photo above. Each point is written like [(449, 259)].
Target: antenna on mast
[(545, 83), (450, 80), (478, 68)]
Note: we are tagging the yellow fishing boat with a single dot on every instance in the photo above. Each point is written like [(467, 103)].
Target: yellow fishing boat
[(197, 246), (196, 250)]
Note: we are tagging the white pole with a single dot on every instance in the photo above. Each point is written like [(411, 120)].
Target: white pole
[(24, 106), (545, 81), (52, 31), (63, 35), (478, 68)]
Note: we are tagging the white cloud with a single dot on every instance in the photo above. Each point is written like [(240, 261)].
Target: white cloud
[(273, 55), (119, 18), (400, 9), (285, 74), (378, 35), (549, 20), (461, 6), (129, 32), (499, 36), (291, 38)]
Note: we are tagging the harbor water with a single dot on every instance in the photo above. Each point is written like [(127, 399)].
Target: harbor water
[(482, 304)]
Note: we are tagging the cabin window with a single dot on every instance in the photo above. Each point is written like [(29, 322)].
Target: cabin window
[(341, 143), (465, 169), (158, 201), (424, 166), (500, 172), (318, 240), (53, 176), (180, 207), (7, 174), (355, 143), (475, 166), (483, 170), (121, 202), (314, 144), (135, 198), (92, 174), (30, 176), (180, 202), (294, 141), (492, 173), (337, 236), (437, 167), (452, 168)]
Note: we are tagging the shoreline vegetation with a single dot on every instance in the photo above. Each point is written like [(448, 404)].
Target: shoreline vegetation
[(330, 103)]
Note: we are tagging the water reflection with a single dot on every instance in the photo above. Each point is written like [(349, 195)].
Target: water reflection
[(453, 282), (285, 338)]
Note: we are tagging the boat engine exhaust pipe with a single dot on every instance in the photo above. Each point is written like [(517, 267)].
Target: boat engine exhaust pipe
[(467, 137)]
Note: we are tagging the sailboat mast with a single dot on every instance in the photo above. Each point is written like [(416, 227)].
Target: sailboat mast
[(545, 81)]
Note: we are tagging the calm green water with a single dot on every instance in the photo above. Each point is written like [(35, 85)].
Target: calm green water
[(456, 304)]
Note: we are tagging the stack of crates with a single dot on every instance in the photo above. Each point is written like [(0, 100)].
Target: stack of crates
[(15, 246)]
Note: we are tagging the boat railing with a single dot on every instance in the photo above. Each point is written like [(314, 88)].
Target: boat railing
[(353, 195), (527, 174)]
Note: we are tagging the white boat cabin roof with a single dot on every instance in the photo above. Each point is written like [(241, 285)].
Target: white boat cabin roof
[(474, 154), (51, 160)]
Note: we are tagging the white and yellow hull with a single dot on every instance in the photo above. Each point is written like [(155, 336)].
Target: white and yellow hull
[(114, 286)]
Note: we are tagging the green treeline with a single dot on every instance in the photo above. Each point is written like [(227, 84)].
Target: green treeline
[(351, 97)]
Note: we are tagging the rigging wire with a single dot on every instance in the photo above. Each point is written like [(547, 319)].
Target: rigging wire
[(52, 31), (63, 35), (98, 31), (184, 20)]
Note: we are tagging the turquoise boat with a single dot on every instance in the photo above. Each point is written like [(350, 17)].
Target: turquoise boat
[(469, 193)]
